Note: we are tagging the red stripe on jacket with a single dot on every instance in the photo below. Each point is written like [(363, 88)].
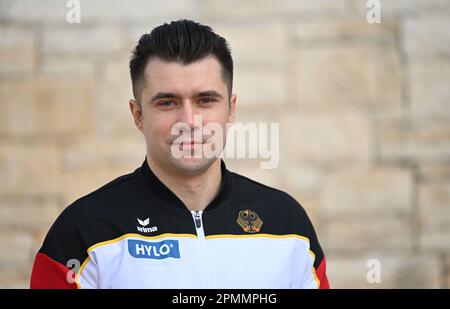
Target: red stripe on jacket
[(321, 273), (50, 274)]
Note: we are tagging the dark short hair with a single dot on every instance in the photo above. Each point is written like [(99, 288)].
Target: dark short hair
[(183, 41)]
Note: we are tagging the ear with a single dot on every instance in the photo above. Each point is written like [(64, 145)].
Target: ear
[(136, 112), (232, 113)]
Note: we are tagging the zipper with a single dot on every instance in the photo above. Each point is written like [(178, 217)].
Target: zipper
[(203, 254), (198, 220), (197, 215)]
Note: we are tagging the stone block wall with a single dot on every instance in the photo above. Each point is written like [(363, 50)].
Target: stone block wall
[(363, 109)]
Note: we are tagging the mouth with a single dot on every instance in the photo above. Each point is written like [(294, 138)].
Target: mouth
[(189, 142), (189, 145)]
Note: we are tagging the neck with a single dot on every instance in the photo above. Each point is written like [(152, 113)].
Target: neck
[(195, 191)]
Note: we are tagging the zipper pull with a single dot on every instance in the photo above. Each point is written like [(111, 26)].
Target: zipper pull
[(198, 222)]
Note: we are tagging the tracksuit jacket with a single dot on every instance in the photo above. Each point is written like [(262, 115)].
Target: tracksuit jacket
[(135, 233)]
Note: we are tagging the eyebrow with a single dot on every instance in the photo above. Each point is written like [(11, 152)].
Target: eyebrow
[(171, 95)]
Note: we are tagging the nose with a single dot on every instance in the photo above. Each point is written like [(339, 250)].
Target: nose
[(188, 115)]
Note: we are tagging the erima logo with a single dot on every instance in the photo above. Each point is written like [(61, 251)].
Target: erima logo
[(154, 250), (143, 228), (144, 222)]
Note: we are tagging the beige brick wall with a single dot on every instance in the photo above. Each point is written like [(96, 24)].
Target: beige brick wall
[(364, 113)]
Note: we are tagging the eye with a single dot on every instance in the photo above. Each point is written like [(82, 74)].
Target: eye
[(206, 100), (166, 103)]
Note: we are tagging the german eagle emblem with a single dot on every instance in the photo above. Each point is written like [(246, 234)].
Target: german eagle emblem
[(249, 221)]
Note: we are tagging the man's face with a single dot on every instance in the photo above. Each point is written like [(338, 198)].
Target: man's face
[(172, 96)]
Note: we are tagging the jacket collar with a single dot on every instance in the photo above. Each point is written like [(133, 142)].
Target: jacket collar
[(166, 197)]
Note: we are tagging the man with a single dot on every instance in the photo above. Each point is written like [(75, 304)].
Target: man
[(182, 220)]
